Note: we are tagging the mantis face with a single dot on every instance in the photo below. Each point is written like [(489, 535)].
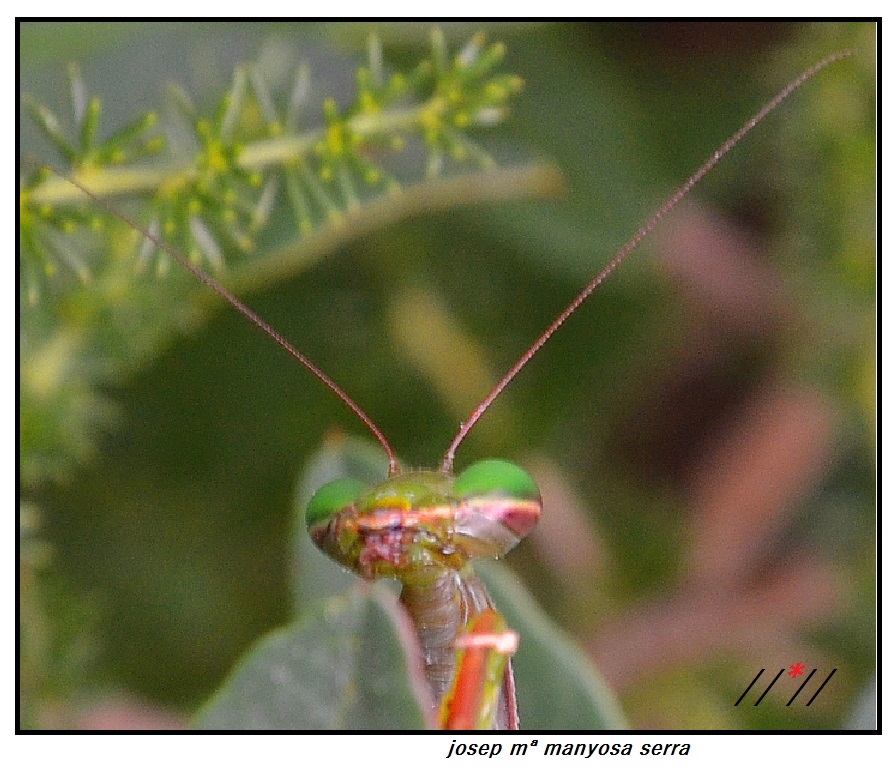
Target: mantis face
[(424, 520)]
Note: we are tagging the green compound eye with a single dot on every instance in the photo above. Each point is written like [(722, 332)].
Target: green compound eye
[(496, 477), (331, 498)]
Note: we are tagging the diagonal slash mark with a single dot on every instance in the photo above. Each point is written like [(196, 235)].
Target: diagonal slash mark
[(804, 683), (749, 686), (821, 688), (776, 678)]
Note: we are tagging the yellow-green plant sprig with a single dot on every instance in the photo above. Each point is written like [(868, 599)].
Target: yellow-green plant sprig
[(91, 309), (221, 194)]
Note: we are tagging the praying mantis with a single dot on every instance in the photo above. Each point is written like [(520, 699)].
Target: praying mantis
[(495, 640)]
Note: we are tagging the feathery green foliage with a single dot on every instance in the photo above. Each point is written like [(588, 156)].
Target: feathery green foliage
[(212, 202)]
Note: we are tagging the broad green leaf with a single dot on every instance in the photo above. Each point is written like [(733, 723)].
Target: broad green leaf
[(558, 688), (353, 665)]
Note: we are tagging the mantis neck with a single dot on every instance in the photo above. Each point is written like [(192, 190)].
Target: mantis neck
[(441, 602)]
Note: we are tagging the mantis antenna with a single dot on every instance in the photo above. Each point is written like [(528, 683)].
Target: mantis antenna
[(466, 426), (631, 245), (230, 298)]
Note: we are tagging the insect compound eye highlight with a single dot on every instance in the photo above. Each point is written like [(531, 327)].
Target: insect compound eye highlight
[(496, 477), (331, 498)]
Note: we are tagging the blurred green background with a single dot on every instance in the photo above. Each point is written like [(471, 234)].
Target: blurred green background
[(703, 429)]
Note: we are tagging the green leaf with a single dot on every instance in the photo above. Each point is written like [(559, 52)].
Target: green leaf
[(352, 665), (558, 688)]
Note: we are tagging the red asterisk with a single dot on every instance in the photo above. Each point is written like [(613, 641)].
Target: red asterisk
[(797, 669)]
